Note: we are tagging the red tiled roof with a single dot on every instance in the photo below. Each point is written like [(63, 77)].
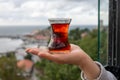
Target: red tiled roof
[(25, 64)]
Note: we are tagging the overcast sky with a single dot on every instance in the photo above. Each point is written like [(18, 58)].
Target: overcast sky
[(37, 12)]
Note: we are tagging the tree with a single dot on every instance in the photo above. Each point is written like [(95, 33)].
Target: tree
[(8, 68), (52, 71), (92, 40), (75, 34), (103, 47)]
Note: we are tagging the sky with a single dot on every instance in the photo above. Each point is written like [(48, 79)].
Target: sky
[(37, 12)]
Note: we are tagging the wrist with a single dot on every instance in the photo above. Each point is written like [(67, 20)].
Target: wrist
[(90, 69), (84, 61)]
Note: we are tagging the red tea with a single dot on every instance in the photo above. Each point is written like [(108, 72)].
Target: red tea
[(59, 38)]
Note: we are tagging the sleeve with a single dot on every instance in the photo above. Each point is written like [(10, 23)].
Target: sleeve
[(104, 74)]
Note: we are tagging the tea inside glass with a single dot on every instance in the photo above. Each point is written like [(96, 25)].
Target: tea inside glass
[(59, 37)]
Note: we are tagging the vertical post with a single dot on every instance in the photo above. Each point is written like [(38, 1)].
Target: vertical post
[(110, 43), (112, 33), (114, 38), (98, 30), (118, 34)]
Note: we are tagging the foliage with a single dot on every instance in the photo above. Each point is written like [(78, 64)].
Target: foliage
[(91, 40), (8, 68), (28, 56), (90, 44), (52, 71), (103, 47), (75, 34)]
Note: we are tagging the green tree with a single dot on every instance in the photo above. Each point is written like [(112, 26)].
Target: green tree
[(103, 46), (28, 56), (89, 43), (75, 34), (52, 71), (8, 68)]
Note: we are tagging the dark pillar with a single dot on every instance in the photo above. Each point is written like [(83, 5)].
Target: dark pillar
[(114, 38), (118, 32), (112, 51)]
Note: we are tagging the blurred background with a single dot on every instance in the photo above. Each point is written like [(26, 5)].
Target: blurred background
[(24, 23)]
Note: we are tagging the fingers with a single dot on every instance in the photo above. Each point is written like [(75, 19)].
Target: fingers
[(41, 53), (32, 50), (36, 50), (58, 58)]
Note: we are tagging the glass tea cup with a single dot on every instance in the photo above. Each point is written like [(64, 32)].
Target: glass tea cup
[(59, 37)]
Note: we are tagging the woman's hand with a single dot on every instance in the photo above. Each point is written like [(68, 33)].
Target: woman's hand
[(75, 56)]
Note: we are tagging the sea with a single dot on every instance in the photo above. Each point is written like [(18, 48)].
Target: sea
[(8, 44), (21, 30)]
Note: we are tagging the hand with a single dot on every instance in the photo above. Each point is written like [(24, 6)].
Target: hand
[(76, 55)]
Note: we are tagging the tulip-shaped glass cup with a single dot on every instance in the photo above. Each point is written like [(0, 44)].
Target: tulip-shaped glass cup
[(59, 37)]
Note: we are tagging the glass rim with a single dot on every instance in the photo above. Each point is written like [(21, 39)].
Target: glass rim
[(59, 20)]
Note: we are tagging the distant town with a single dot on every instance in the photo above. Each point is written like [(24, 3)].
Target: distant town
[(37, 38)]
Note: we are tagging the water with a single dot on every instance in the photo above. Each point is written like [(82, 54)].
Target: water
[(20, 30), (7, 44)]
